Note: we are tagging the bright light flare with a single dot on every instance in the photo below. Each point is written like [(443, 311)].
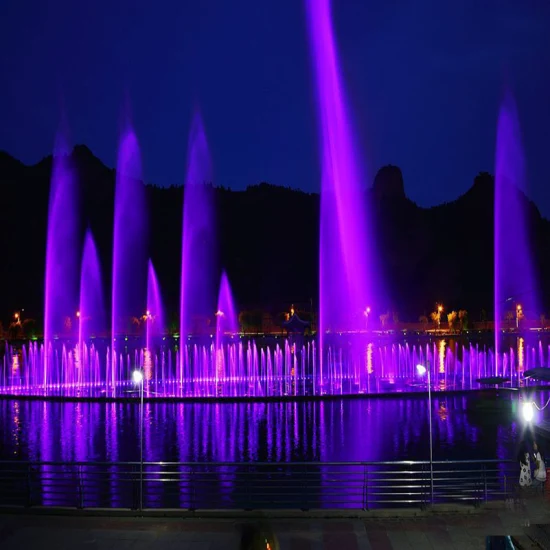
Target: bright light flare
[(137, 377), (421, 369), (528, 411)]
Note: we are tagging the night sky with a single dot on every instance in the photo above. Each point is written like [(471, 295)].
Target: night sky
[(424, 78)]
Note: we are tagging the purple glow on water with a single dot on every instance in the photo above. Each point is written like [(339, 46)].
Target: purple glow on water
[(61, 278), (241, 432), (155, 323), (129, 266), (198, 288), (92, 318), (516, 285)]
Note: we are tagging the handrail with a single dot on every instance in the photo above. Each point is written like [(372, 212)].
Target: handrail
[(253, 485), (266, 463)]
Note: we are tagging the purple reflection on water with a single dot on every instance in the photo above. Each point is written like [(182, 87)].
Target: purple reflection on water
[(332, 430)]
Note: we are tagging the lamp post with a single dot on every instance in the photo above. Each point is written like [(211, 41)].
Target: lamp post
[(421, 369), (439, 311), (518, 315), (137, 377), (366, 313)]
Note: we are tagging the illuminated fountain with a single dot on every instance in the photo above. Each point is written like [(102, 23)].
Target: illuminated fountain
[(197, 290), (129, 269), (208, 358), (155, 327), (346, 256), (265, 368), (61, 281), (516, 285)]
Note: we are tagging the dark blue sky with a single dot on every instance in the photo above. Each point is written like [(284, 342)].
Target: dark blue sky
[(424, 78)]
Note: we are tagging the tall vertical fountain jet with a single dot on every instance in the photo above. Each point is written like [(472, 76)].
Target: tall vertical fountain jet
[(129, 275), (91, 317), (198, 283), (515, 279), (61, 281), (345, 254)]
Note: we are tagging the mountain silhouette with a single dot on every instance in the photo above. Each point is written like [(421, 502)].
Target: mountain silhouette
[(268, 240)]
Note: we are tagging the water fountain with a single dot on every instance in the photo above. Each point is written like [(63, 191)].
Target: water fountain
[(91, 316), (61, 281), (91, 313), (155, 326), (206, 361), (346, 259), (129, 269), (516, 285), (198, 295)]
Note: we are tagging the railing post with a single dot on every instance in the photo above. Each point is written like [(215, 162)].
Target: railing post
[(29, 486), (431, 482), (485, 483), (80, 504), (193, 489), (141, 485), (366, 487)]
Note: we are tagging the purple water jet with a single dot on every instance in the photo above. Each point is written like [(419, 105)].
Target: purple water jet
[(198, 287), (154, 318), (61, 277), (129, 266), (226, 316), (91, 313), (346, 258), (515, 282)]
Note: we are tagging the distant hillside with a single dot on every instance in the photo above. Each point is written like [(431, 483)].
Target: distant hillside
[(268, 240)]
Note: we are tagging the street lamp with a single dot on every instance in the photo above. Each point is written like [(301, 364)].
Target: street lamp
[(528, 411), (137, 378), (422, 370), (439, 311), (366, 313), (518, 315)]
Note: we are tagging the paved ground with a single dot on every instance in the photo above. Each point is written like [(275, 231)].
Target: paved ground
[(452, 531)]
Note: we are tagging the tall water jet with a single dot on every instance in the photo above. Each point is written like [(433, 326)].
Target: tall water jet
[(346, 259), (515, 281), (91, 313), (226, 316), (61, 274), (154, 318), (129, 275), (198, 284)]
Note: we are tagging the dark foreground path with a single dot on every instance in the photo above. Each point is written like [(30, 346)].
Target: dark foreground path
[(468, 529)]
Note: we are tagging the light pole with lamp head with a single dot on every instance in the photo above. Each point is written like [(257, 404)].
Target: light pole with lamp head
[(137, 377), (421, 369)]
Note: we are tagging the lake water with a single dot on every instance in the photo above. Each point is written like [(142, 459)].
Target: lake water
[(345, 429)]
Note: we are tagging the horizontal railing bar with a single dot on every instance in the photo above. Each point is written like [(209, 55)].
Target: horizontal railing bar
[(262, 464)]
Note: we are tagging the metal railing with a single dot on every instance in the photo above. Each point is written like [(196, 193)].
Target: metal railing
[(253, 486)]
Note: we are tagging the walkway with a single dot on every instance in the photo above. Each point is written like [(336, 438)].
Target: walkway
[(423, 531)]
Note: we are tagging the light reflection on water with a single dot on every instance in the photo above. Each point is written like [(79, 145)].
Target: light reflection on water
[(331, 430)]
